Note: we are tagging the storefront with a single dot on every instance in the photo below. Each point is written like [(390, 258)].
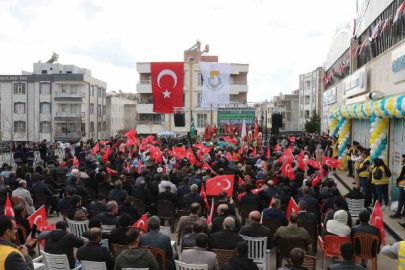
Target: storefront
[(361, 131)]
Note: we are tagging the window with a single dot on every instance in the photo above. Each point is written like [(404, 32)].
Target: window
[(45, 88), (19, 107), (98, 92), (104, 110), (99, 109), (307, 85), (45, 127), (45, 107), (91, 126), (307, 99), (201, 120), (91, 108), (199, 99), (200, 79), (19, 89), (73, 89), (19, 126), (63, 88), (99, 126), (63, 108), (92, 90), (149, 118), (104, 126)]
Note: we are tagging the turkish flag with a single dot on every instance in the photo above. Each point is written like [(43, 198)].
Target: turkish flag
[(377, 220), (256, 131), (130, 134), (277, 148), (190, 156), (286, 157), (288, 171), (240, 151), (106, 154), (268, 152), (156, 154), (301, 154), (95, 149), (230, 140), (76, 162), (240, 181), (8, 209), (204, 195), (167, 86), (207, 167), (111, 171), (317, 179), (39, 218), (211, 212), (150, 138), (291, 139), (228, 156), (205, 150), (198, 145), (179, 152), (142, 223), (254, 191), (332, 162), (292, 208), (145, 141), (260, 182), (314, 164), (254, 152), (301, 162), (218, 184)]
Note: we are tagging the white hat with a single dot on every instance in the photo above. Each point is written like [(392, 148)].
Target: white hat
[(338, 226), (159, 170)]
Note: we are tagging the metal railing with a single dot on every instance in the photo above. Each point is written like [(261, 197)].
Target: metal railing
[(149, 101), (75, 95), (148, 122), (70, 114), (238, 83), (144, 82), (7, 157)]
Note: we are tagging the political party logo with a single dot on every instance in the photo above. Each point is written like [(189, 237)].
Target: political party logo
[(214, 81)]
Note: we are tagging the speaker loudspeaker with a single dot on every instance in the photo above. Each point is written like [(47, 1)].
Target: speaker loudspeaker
[(179, 120)]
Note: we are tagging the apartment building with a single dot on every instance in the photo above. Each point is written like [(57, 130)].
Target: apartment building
[(54, 102), (121, 114), (288, 106)]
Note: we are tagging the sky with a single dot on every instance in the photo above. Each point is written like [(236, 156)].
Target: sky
[(278, 39)]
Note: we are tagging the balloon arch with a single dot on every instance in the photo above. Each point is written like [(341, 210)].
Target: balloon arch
[(378, 112)]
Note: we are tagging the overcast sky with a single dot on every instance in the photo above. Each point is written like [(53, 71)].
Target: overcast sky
[(278, 39)]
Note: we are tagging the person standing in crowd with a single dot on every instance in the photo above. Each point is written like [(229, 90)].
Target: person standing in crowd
[(400, 182), (380, 174), (363, 170)]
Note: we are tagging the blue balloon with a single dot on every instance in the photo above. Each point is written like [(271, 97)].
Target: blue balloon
[(384, 141), (400, 98), (372, 119), (381, 147), (386, 113), (377, 152), (399, 104), (403, 113)]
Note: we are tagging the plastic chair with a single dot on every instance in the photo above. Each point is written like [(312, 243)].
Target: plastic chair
[(18, 201), (312, 228), (355, 206), (104, 243), (245, 209), (89, 265), (257, 250), (78, 227), (159, 255), (165, 210), (366, 247), (331, 246), (272, 224), (21, 236), (117, 249), (284, 247), (140, 205), (56, 262), (223, 256), (309, 262), (185, 266), (108, 228)]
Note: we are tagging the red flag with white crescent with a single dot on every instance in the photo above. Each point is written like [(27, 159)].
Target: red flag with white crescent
[(332, 162), (205, 150), (167, 86), (228, 156), (156, 154), (317, 179), (291, 139), (130, 134), (207, 167), (286, 157), (254, 191), (288, 170), (292, 208), (204, 195), (301, 162), (190, 156), (95, 149), (179, 152), (314, 164), (198, 145), (39, 218), (377, 220), (268, 152), (142, 223), (254, 152), (106, 154), (240, 181), (211, 212), (218, 184), (8, 209), (240, 151), (229, 140)]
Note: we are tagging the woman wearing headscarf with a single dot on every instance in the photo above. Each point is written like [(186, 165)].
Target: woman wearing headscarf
[(338, 226), (319, 153), (380, 174)]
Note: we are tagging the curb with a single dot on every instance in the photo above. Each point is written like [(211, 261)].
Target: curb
[(386, 226)]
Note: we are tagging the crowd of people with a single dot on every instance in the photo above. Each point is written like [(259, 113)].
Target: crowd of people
[(101, 181)]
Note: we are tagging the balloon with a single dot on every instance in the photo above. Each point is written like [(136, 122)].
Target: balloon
[(372, 151), (383, 136), (373, 146), (377, 152), (339, 158), (374, 124), (381, 147), (378, 141)]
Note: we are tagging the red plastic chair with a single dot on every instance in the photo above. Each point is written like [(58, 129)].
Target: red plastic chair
[(331, 246)]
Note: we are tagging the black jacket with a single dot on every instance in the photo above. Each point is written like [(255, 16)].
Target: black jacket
[(217, 223), (144, 195), (95, 253), (107, 219), (192, 198), (274, 213), (97, 207), (59, 242), (250, 197), (307, 216), (241, 263), (117, 236), (168, 196), (224, 240), (258, 230)]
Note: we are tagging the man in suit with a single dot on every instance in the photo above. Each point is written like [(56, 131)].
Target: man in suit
[(41, 186), (167, 195), (22, 193), (312, 203), (227, 238), (109, 218), (118, 192), (303, 214), (183, 189), (223, 212), (94, 252), (270, 192), (188, 221), (156, 239), (195, 180), (188, 240), (199, 254), (193, 196), (99, 205), (143, 194), (355, 193), (256, 229), (293, 231), (250, 197), (275, 213)]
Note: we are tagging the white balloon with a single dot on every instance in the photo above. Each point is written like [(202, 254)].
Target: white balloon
[(373, 147), (339, 158), (372, 151), (371, 130), (374, 124), (347, 136), (378, 120), (377, 141), (403, 105), (383, 136), (382, 157)]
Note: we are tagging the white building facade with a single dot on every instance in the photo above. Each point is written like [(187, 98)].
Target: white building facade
[(119, 116), (56, 102)]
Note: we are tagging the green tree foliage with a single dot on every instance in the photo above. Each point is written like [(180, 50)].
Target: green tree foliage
[(314, 123)]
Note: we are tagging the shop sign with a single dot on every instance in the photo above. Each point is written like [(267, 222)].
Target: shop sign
[(329, 96), (398, 64), (355, 84)]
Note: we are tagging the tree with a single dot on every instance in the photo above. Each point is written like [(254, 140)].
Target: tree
[(314, 123), (9, 132)]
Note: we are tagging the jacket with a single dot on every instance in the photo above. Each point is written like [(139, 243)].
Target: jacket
[(118, 193), (250, 197), (42, 187), (200, 256), (241, 263), (258, 230), (292, 231), (224, 240), (25, 195), (144, 195), (107, 219), (188, 221), (307, 216), (117, 236), (192, 198), (169, 196), (11, 258), (157, 240), (59, 242), (345, 265), (95, 253), (217, 223), (274, 213), (367, 228), (136, 257)]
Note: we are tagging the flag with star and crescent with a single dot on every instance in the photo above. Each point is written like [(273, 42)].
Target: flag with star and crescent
[(167, 86)]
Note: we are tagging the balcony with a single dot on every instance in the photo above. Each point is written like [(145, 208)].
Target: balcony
[(69, 116), (72, 97), (144, 108), (69, 137)]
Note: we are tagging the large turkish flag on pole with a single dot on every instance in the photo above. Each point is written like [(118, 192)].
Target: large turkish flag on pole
[(167, 86), (218, 184)]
